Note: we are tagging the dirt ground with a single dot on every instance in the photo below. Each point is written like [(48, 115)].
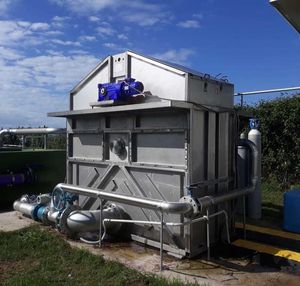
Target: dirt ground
[(230, 271), (10, 221)]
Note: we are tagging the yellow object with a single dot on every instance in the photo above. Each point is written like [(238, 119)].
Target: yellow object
[(269, 231), (264, 248)]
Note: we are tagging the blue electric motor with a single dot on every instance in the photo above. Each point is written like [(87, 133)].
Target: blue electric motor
[(120, 91)]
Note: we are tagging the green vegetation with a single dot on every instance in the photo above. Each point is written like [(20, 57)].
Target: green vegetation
[(40, 256), (272, 199), (280, 128)]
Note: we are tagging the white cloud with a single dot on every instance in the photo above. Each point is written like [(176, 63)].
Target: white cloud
[(139, 12), (180, 56), (105, 30), (122, 37), (54, 53), (94, 19), (39, 26), (9, 54), (11, 32), (87, 38), (111, 46), (53, 33), (198, 16), (5, 5), (142, 18), (78, 52), (30, 87), (65, 43), (60, 21), (60, 18), (189, 24), (24, 33), (86, 6)]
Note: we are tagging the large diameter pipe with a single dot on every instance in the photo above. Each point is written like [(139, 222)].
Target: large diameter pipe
[(164, 206), (89, 220), (24, 207)]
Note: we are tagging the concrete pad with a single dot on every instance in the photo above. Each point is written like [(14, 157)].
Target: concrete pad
[(10, 221), (217, 272)]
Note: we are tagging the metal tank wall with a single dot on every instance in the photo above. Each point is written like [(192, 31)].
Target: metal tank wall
[(166, 150), (171, 143)]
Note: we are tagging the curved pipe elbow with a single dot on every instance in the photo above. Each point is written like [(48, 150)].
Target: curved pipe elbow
[(176, 207), (164, 206)]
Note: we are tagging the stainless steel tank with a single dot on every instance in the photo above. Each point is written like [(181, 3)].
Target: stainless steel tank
[(180, 141)]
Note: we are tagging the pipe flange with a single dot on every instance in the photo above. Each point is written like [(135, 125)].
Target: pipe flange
[(193, 203), (62, 224), (45, 216)]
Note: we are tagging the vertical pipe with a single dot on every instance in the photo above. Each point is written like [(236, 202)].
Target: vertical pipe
[(207, 235), (244, 216), (227, 226), (161, 240), (254, 199), (100, 223), (23, 141), (45, 141)]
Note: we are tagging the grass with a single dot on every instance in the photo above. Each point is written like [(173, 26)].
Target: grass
[(40, 256), (272, 198)]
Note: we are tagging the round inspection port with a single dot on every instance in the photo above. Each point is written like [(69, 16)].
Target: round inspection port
[(118, 146)]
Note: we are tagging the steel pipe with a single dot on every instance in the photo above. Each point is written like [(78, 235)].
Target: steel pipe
[(208, 201), (91, 220), (23, 207), (164, 206), (163, 224)]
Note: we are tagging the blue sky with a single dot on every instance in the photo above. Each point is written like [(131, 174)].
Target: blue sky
[(47, 46)]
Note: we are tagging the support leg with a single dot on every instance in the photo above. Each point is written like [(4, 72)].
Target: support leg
[(207, 235), (244, 216), (161, 241), (100, 223)]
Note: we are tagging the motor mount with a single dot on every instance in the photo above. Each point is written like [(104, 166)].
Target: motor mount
[(120, 91)]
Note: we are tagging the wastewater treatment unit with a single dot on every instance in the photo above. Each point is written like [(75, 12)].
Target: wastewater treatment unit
[(26, 167), (153, 152)]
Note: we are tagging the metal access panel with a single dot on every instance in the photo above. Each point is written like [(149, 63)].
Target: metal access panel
[(167, 149)]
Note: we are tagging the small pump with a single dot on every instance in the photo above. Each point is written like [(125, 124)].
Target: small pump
[(120, 91)]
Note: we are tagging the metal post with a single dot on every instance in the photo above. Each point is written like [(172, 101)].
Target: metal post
[(242, 100), (207, 235), (23, 141), (244, 216), (227, 226), (161, 241), (100, 223), (45, 141)]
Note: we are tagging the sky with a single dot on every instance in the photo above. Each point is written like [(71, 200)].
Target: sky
[(48, 46)]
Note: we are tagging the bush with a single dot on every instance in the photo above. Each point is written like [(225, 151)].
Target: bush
[(280, 128)]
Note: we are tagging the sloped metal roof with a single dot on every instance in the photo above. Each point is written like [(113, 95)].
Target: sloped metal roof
[(290, 10), (179, 67), (166, 64)]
